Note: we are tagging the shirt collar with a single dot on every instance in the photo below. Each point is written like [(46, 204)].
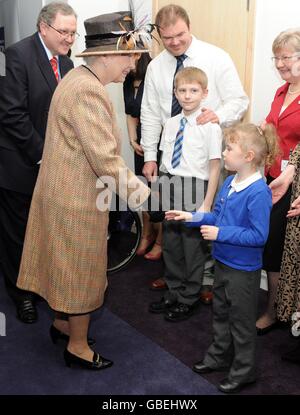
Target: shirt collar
[(192, 51), (283, 89), (238, 187), (191, 119), (49, 54)]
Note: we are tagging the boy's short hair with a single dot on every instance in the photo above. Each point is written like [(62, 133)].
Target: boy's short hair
[(189, 75)]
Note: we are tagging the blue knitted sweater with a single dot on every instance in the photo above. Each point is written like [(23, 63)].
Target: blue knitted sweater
[(243, 222)]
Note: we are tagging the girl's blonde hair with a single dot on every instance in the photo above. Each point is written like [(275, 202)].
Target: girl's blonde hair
[(263, 142)]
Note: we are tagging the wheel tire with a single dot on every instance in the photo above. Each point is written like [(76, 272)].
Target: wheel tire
[(124, 235)]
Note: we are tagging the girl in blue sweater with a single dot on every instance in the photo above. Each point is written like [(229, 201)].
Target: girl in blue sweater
[(239, 226)]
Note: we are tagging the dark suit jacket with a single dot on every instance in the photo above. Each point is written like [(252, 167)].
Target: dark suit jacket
[(25, 96)]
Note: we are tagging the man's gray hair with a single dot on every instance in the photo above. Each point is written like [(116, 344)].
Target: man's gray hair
[(49, 12)]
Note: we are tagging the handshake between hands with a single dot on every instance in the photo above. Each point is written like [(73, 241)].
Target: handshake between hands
[(159, 216), (156, 213), (209, 233)]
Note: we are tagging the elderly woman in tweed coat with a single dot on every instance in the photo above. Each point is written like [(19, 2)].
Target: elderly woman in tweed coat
[(64, 258)]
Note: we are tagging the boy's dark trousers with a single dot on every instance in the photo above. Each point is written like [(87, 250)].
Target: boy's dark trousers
[(234, 317), (184, 250)]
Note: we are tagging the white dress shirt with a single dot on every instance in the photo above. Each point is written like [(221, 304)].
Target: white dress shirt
[(226, 96), (50, 56), (200, 144)]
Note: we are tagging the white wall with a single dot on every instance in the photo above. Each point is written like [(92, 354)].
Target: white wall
[(27, 21), (273, 16), (10, 21), (1, 13), (91, 8), (19, 18)]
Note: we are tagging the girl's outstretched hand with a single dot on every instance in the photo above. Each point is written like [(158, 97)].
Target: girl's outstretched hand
[(178, 215)]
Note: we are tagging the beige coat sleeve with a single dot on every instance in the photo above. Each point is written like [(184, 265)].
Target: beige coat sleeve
[(95, 128)]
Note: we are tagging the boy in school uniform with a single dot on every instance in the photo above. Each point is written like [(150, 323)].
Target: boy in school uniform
[(191, 161)]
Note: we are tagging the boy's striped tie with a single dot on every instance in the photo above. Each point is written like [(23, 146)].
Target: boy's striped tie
[(178, 144)]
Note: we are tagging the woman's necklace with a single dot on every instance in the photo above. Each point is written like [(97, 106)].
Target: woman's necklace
[(293, 92)]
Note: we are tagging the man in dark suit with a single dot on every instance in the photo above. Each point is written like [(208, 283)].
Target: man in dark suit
[(34, 67)]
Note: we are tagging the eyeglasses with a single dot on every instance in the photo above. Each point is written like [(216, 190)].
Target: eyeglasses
[(64, 33), (284, 59)]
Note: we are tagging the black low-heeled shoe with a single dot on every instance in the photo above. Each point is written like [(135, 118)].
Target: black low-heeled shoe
[(266, 330), (56, 335), (98, 362)]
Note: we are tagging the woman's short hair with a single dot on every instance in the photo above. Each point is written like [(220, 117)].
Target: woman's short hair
[(190, 75), (289, 37), (169, 15), (49, 12)]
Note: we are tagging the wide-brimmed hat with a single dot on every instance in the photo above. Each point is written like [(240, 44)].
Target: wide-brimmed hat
[(113, 33)]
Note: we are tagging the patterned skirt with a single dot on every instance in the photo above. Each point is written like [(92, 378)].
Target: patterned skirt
[(288, 293)]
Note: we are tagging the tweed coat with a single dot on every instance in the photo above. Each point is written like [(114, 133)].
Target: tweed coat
[(64, 258)]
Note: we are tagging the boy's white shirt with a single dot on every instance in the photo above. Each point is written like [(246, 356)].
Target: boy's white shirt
[(201, 143)]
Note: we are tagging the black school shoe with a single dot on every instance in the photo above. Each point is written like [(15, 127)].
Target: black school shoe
[(230, 386), (181, 312), (161, 306)]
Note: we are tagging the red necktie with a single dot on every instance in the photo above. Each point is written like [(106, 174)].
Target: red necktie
[(54, 65)]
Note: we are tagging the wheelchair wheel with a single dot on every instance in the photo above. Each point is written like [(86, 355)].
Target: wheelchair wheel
[(124, 234)]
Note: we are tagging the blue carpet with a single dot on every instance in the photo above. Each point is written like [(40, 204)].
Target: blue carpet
[(129, 296), (32, 365), (151, 356)]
